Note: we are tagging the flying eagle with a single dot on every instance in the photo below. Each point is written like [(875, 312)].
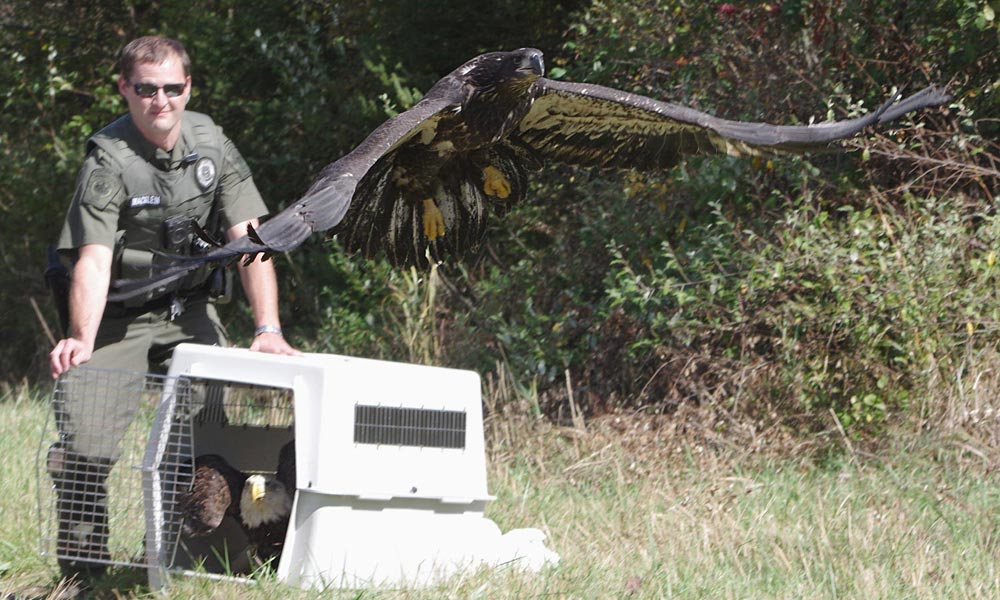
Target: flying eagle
[(421, 186)]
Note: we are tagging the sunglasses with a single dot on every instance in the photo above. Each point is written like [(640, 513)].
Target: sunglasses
[(148, 90)]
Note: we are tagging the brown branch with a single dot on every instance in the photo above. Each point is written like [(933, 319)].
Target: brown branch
[(42, 321)]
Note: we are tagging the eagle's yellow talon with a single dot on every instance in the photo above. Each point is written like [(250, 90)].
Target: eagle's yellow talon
[(433, 220), (494, 183)]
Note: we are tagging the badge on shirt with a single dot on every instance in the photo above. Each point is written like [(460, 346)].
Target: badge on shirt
[(204, 172)]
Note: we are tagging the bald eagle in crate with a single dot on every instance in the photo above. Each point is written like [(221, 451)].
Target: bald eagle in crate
[(421, 186), (266, 506), (260, 504)]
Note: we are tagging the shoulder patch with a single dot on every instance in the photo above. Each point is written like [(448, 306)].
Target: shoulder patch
[(101, 187)]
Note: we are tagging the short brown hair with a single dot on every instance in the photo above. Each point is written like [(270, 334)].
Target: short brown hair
[(152, 49)]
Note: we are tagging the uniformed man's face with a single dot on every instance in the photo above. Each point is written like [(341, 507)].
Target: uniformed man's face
[(158, 116)]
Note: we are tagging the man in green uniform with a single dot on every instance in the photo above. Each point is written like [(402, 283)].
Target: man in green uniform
[(147, 179)]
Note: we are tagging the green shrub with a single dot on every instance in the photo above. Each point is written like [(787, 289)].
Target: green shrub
[(778, 289)]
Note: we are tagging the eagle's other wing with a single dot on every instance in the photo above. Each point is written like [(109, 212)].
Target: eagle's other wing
[(324, 204), (215, 491), (592, 125)]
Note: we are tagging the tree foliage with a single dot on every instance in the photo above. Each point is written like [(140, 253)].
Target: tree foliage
[(787, 287)]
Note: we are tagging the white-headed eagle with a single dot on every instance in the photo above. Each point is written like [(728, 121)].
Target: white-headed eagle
[(421, 185), (266, 507), (261, 504)]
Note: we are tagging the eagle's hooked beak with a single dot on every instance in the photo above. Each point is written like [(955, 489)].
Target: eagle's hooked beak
[(257, 487), (532, 64)]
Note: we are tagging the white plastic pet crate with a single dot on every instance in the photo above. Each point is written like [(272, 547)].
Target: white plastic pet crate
[(390, 467)]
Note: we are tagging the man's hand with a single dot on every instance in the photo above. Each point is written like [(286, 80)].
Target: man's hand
[(273, 343), (68, 352)]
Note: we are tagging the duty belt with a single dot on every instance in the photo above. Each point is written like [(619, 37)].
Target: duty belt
[(174, 302)]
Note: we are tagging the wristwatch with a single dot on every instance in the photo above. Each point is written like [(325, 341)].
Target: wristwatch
[(266, 329)]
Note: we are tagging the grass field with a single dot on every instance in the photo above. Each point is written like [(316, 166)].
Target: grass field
[(637, 509)]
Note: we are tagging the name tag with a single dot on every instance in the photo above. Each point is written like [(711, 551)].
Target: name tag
[(144, 201)]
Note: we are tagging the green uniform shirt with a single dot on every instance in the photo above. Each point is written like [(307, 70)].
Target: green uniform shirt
[(94, 216)]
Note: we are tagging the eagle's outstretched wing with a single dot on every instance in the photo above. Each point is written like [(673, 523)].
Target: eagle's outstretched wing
[(324, 204), (592, 125)]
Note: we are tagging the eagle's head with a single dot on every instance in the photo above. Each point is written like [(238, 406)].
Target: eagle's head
[(517, 68), (264, 500), (528, 63)]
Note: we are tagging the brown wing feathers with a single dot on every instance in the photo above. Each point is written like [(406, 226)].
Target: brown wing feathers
[(597, 126), (214, 493)]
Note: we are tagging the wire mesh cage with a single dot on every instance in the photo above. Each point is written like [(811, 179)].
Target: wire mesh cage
[(118, 455), (92, 466), (235, 404)]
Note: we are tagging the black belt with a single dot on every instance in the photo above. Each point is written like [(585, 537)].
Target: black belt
[(118, 310)]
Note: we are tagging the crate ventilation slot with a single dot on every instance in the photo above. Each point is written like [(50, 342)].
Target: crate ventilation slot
[(394, 426)]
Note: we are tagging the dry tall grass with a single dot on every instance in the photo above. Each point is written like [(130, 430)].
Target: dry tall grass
[(663, 506)]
